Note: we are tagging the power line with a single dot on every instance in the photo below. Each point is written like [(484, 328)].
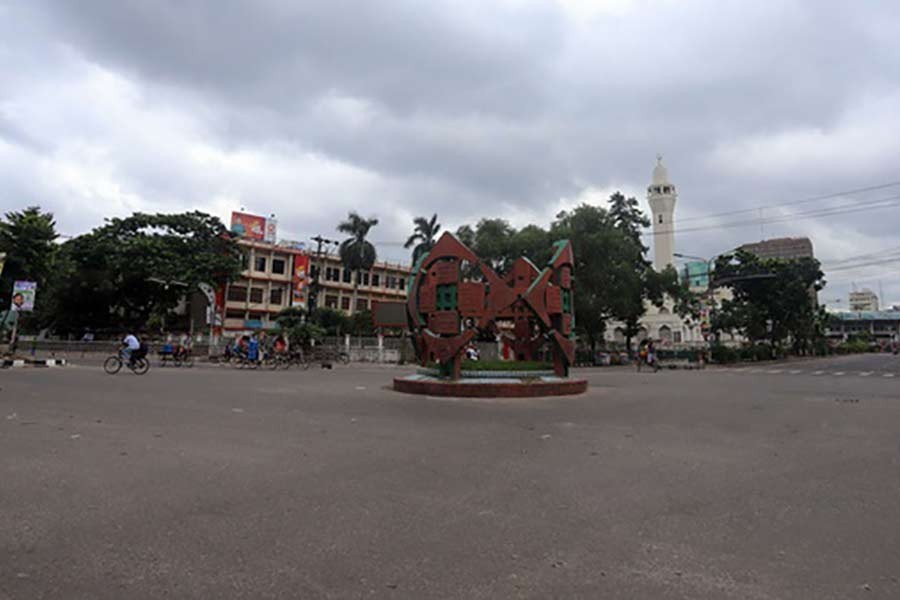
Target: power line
[(871, 188), (859, 207)]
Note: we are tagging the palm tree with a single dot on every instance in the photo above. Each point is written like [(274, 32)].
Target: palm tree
[(424, 233), (357, 254)]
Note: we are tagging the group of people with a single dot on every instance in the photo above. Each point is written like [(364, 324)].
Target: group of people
[(253, 347)]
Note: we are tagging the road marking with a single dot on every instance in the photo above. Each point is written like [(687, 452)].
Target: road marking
[(865, 373), (888, 375), (838, 373), (818, 372), (774, 371), (794, 371)]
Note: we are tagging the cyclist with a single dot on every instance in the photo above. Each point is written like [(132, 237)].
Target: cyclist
[(130, 345), (651, 354)]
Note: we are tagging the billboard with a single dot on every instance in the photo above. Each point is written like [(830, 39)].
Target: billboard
[(249, 226), (271, 229), (23, 296), (300, 280), (386, 313)]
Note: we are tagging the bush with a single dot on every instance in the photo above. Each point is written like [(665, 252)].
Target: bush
[(303, 334), (722, 354)]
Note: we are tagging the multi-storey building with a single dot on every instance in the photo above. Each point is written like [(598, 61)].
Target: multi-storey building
[(384, 281), (267, 284), (863, 300), (783, 248), (263, 289)]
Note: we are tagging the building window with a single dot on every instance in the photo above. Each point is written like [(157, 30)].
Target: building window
[(660, 218), (676, 337), (347, 276), (402, 283), (234, 314), (331, 301), (362, 304), (237, 293), (276, 296), (259, 264), (332, 274), (345, 303), (365, 280), (278, 265), (390, 281), (256, 295), (376, 280)]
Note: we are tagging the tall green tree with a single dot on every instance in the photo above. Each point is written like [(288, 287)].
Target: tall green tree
[(772, 300), (28, 238), (533, 242), (424, 236), (466, 235), (120, 274), (493, 243), (357, 253), (627, 216)]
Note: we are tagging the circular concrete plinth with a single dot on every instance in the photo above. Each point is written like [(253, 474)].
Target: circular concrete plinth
[(490, 388)]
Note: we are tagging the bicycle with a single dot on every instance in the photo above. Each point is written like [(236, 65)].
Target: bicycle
[(643, 359), (138, 365), (298, 358)]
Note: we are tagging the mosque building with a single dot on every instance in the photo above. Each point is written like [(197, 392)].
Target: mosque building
[(662, 324)]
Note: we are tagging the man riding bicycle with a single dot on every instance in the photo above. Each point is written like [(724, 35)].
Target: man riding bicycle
[(130, 348)]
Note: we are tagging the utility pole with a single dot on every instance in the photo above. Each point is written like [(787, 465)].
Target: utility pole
[(316, 272)]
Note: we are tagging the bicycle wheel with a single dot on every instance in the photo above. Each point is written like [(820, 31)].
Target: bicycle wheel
[(188, 361), (344, 358), (141, 366), (112, 365), (271, 362)]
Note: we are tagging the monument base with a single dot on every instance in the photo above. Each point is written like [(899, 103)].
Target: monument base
[(488, 387)]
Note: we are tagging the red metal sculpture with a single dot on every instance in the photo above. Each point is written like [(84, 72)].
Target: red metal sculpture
[(454, 297)]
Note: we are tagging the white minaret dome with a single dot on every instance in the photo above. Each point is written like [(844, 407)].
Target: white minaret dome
[(660, 173), (661, 196)]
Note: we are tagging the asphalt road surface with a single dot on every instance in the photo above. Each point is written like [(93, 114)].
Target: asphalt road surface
[(780, 481)]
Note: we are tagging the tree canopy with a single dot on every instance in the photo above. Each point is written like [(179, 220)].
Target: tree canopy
[(424, 236), (772, 300), (357, 253), (131, 268)]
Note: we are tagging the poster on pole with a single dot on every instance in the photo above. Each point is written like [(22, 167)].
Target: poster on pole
[(300, 280), (23, 296)]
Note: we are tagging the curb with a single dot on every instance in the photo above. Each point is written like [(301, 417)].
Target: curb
[(31, 362)]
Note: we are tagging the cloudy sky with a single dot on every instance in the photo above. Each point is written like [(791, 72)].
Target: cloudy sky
[(467, 108)]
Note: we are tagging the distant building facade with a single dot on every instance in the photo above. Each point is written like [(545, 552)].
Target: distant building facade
[(788, 248), (276, 276), (879, 325), (384, 281), (863, 300)]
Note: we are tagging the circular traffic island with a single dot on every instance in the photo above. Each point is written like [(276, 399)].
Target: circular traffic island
[(479, 380)]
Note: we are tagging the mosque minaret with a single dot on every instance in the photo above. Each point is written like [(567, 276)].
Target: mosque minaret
[(661, 196)]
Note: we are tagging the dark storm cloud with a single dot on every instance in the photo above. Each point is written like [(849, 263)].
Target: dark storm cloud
[(476, 109)]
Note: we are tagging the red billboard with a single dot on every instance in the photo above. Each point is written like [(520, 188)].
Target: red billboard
[(300, 279), (248, 226)]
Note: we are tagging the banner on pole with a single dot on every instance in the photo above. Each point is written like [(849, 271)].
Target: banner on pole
[(300, 280), (23, 296)]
